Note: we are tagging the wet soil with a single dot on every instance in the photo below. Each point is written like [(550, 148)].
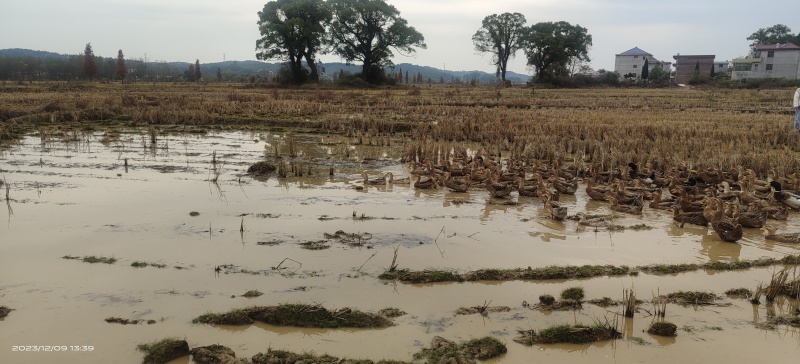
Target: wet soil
[(79, 198)]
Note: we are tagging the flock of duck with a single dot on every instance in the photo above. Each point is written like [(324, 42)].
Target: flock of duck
[(727, 200)]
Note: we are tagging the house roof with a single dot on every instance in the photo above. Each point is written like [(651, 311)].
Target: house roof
[(777, 47), (635, 51)]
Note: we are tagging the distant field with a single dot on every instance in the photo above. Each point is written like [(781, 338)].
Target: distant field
[(609, 126)]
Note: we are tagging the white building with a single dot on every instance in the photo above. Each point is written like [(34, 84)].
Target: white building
[(769, 61), (632, 61)]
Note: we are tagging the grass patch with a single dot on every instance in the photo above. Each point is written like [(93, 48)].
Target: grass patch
[(428, 276), (164, 350), (315, 245), (4, 311), (604, 302), (252, 293), (739, 293), (446, 351), (280, 357), (663, 329), (392, 312), (772, 323), (483, 310), (573, 293), (194, 213), (92, 259), (573, 272), (577, 334), (669, 268), (139, 264), (297, 315), (213, 354), (691, 298)]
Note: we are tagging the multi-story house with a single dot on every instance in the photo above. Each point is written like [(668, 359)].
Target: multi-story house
[(632, 61), (686, 65), (769, 61)]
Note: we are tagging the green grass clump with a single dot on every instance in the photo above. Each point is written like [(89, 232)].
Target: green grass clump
[(138, 264), (194, 213), (428, 276), (573, 293), (164, 350), (578, 334), (296, 315), (691, 297)]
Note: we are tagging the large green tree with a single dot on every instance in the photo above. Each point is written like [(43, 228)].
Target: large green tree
[(293, 31), (367, 31), (500, 35), (777, 33), (552, 47)]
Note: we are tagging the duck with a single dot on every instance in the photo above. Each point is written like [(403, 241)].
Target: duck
[(564, 186), (658, 203), (526, 190), (694, 218), (769, 234), (398, 181), (428, 184), (752, 217), (375, 181), (628, 209), (772, 212), (726, 228), (602, 221), (557, 212), (596, 192), (457, 185), (497, 189), (787, 198)]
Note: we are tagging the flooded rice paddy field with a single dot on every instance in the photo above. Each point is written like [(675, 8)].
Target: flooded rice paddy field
[(214, 233)]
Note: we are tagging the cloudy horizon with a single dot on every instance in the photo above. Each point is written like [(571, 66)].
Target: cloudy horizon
[(213, 31)]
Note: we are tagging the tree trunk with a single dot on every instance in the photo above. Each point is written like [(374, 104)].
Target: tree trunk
[(312, 65)]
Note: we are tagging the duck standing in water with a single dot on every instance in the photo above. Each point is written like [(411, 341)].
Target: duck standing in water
[(769, 234), (787, 198)]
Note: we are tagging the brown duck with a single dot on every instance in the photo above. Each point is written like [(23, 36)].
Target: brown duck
[(790, 238), (694, 218)]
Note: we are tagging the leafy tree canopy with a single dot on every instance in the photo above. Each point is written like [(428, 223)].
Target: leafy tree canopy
[(500, 35), (367, 31), (552, 47), (777, 33), (293, 31)]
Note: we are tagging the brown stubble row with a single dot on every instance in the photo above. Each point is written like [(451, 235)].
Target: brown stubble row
[(606, 127)]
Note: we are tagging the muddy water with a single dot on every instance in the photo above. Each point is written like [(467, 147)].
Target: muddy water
[(73, 196)]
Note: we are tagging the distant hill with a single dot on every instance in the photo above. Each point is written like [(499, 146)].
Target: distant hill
[(241, 70), (19, 52)]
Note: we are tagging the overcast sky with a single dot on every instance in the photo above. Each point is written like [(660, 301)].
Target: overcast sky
[(213, 30)]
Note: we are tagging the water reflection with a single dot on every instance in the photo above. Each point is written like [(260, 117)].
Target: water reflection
[(718, 250)]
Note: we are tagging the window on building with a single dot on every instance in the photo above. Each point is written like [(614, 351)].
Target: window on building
[(742, 66), (771, 54), (769, 67), (635, 57), (634, 66)]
